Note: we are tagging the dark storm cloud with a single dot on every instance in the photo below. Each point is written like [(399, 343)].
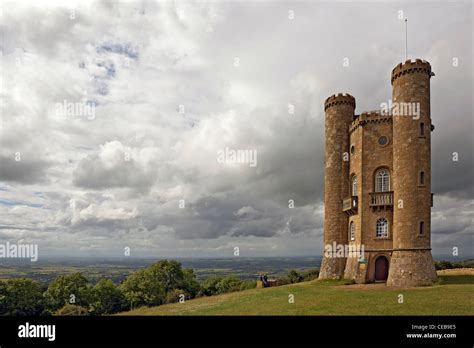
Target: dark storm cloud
[(23, 171)]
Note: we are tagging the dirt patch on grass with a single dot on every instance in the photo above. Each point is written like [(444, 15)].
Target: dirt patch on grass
[(378, 287), (456, 271), (371, 286)]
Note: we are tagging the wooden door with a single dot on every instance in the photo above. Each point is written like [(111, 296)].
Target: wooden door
[(381, 268)]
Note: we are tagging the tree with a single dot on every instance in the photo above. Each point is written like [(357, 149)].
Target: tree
[(168, 273), (68, 289), (106, 297), (150, 286), (294, 276), (190, 284), (21, 297), (140, 289)]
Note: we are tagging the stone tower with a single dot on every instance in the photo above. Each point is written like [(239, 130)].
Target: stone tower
[(378, 184), (339, 114), (412, 263)]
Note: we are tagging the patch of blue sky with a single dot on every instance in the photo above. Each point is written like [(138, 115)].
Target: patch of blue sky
[(125, 49), (11, 203), (109, 67)]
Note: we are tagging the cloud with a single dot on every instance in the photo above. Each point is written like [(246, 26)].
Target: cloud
[(116, 166), (167, 97), (23, 171)]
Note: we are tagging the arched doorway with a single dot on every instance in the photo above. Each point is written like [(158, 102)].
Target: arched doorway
[(381, 269)]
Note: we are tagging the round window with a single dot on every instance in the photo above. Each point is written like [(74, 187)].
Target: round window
[(352, 149), (383, 140)]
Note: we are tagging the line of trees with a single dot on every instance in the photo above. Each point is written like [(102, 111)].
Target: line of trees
[(440, 265), (163, 282)]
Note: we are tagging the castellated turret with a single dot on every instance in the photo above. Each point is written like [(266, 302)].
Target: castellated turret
[(339, 115), (412, 263), (378, 184)]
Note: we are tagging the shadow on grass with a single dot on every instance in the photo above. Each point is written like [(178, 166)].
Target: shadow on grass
[(456, 279)]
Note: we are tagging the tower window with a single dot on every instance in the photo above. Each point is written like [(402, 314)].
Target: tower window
[(422, 129), (382, 180), (383, 140), (352, 231), (422, 178), (381, 228), (354, 185), (352, 149), (422, 228)]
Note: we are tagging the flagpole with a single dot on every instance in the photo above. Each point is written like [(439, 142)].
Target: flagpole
[(406, 38)]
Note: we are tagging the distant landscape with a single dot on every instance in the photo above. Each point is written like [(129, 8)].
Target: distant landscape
[(246, 268)]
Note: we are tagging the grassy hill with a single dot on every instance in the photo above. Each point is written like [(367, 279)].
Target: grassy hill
[(452, 295)]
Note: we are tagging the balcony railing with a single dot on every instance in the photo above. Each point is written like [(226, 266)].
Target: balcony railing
[(381, 199), (349, 205)]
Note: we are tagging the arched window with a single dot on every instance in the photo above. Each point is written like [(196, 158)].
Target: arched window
[(422, 228), (354, 185), (382, 180), (352, 232), (382, 228)]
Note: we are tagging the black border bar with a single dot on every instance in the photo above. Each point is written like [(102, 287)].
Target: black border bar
[(259, 330)]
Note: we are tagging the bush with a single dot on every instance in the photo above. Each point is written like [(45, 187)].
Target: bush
[(228, 284), (70, 309), (176, 295), (439, 265), (294, 276), (209, 286), (311, 274), (220, 285), (248, 284)]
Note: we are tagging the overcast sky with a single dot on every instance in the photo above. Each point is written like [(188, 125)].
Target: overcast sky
[(173, 83)]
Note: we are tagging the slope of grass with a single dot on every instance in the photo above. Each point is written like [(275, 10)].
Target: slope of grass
[(452, 295)]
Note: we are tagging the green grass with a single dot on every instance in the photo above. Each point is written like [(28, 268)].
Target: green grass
[(452, 295)]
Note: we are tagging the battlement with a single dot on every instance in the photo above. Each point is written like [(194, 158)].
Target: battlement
[(339, 99), (368, 117), (410, 67), (369, 114)]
